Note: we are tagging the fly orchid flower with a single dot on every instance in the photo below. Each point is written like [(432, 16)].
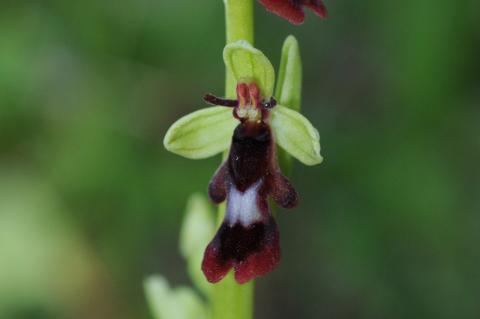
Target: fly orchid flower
[(292, 10), (248, 239)]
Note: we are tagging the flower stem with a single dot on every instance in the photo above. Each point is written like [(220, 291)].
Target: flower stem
[(239, 24), (230, 300)]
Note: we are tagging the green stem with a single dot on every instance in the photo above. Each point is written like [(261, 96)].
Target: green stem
[(230, 300), (239, 24)]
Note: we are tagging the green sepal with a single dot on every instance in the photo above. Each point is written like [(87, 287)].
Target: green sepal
[(168, 303), (197, 230), (201, 134), (296, 135), (289, 82), (248, 64), (289, 88)]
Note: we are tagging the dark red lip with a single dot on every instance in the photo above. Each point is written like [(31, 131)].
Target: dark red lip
[(248, 239), (292, 10)]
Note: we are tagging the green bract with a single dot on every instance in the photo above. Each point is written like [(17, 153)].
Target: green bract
[(198, 227), (248, 64), (168, 303), (209, 131), (201, 134), (296, 135)]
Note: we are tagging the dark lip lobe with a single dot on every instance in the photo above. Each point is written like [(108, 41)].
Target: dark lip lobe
[(252, 251)]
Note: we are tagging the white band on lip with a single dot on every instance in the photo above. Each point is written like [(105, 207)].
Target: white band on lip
[(242, 206)]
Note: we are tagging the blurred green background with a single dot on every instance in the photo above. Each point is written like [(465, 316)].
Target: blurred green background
[(91, 203)]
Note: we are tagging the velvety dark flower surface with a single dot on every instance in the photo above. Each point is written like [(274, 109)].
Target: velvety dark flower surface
[(292, 10), (248, 239)]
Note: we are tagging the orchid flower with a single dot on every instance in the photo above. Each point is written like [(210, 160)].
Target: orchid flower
[(292, 10), (250, 127)]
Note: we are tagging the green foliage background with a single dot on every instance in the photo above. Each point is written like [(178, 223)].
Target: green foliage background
[(91, 203)]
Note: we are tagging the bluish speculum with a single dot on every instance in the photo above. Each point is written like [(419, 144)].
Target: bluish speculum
[(248, 239)]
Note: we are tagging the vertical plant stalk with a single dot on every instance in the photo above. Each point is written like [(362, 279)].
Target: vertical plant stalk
[(230, 300), (239, 25)]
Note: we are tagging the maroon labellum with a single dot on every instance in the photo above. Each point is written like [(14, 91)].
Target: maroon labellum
[(248, 239), (292, 10)]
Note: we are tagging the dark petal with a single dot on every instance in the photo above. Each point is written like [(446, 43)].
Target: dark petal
[(288, 9), (217, 189), (212, 99), (283, 192), (318, 7), (252, 251)]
